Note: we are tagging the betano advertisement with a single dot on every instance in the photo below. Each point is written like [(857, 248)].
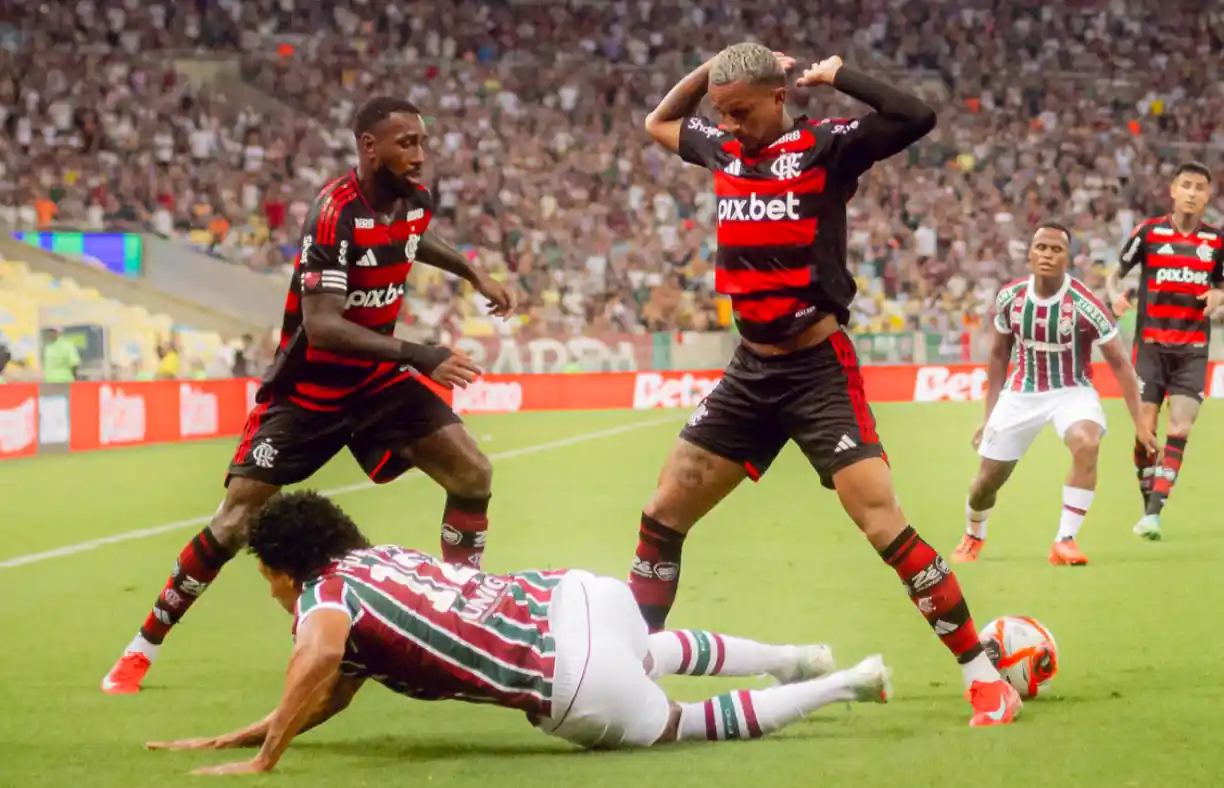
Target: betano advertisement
[(37, 419)]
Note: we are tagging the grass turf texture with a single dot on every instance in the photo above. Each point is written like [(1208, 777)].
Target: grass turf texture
[(1135, 704)]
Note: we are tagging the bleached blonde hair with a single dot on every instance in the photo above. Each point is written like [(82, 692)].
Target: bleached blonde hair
[(745, 62)]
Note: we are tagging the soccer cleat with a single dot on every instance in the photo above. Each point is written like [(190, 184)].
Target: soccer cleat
[(994, 703), (125, 677), (1065, 552), (811, 662), (968, 549), (870, 680), (1149, 527)]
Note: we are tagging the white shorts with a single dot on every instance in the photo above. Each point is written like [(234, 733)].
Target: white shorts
[(1018, 418), (602, 696)]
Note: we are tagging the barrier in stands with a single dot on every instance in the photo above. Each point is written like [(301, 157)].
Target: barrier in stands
[(39, 419)]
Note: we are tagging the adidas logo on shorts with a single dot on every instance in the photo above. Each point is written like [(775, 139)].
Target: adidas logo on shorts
[(845, 444)]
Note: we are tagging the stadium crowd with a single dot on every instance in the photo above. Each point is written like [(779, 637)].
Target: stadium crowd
[(1076, 110)]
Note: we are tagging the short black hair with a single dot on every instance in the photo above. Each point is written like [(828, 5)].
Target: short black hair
[(1062, 228), (301, 532), (378, 109), (1195, 167)]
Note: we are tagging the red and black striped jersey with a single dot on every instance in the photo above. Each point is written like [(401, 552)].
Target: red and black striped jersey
[(1176, 268), (348, 250), (437, 631), (782, 220)]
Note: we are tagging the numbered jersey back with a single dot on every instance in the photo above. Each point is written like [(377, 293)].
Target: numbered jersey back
[(435, 631)]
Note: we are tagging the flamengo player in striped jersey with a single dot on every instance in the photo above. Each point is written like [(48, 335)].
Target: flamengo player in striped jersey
[(567, 648), (1052, 322), (341, 378), (782, 184), (1181, 272)]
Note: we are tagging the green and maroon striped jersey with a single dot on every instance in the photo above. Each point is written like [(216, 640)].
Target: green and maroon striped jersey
[(436, 631), (1054, 336)]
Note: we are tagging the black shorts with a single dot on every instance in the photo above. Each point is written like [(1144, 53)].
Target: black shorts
[(1168, 372), (814, 397), (284, 443)]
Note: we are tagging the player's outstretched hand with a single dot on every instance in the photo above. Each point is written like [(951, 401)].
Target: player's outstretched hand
[(245, 767), (977, 436), (821, 73), (457, 371), (501, 298), (1147, 439), (1120, 304), (1213, 298)]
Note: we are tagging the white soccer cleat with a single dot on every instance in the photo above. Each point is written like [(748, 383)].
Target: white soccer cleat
[(811, 662), (1148, 527), (870, 680)]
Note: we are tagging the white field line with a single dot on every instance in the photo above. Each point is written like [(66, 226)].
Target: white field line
[(143, 533)]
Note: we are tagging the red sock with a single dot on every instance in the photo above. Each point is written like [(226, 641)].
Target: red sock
[(935, 591), (655, 575), (197, 566), (1166, 474), (465, 523)]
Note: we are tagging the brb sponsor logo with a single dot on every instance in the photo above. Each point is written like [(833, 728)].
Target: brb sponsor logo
[(758, 209), (652, 390), (935, 384), (489, 397), (121, 416), (1183, 276), (373, 299), (199, 412), (19, 428)]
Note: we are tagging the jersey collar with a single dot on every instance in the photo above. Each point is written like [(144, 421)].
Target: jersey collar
[(1032, 291)]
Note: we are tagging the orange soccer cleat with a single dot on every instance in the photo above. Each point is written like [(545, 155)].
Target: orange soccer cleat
[(1065, 552), (994, 703), (125, 677), (968, 549)]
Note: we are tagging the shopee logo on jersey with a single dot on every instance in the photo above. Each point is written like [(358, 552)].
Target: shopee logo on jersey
[(485, 396), (934, 384), (756, 209), (121, 417), (19, 427), (1183, 276), (199, 412), (372, 299), (695, 124), (652, 390)]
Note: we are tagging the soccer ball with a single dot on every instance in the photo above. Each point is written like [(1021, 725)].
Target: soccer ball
[(1023, 651)]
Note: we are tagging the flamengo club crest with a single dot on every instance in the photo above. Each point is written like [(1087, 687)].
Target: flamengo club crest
[(1204, 252)]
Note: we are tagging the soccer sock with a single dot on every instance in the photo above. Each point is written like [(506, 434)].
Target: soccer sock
[(1143, 470), (1076, 503), (655, 574), (1166, 475), (975, 521), (750, 714), (465, 523), (197, 566), (935, 591), (687, 652)]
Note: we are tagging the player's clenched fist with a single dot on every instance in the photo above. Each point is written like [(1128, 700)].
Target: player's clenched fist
[(458, 370)]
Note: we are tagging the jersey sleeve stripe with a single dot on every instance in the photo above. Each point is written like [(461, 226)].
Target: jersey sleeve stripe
[(330, 216)]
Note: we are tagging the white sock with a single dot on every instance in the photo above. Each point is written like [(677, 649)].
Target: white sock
[(750, 714), (141, 645), (975, 521), (1076, 502), (689, 652), (979, 669)]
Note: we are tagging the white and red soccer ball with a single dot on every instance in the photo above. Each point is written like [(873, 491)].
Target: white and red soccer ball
[(1024, 652)]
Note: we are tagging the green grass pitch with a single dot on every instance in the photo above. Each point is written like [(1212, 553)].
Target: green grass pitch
[(1137, 702)]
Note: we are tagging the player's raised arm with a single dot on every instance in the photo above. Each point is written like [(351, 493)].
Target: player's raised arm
[(434, 251), (665, 122), (900, 119)]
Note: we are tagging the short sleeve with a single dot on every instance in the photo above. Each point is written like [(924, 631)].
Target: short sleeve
[(1133, 251), (1002, 309), (1217, 270), (330, 593), (702, 142), (326, 237), (1097, 317)]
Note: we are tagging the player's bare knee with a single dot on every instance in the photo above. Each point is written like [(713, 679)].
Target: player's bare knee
[(243, 500), (1085, 448), (473, 478)]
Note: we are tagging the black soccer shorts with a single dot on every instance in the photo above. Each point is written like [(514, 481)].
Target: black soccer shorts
[(1169, 372), (284, 443), (814, 397)]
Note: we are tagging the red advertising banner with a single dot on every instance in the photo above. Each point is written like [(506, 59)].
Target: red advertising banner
[(105, 415), (18, 420)]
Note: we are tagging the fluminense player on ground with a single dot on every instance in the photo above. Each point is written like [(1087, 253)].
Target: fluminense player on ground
[(567, 648), (1181, 271), (782, 183), (341, 378), (1052, 322)]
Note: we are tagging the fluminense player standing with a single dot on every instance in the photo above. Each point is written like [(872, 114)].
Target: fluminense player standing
[(1052, 322), (1181, 262)]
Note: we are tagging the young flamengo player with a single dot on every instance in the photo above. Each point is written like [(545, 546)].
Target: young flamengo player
[(1052, 322), (567, 648)]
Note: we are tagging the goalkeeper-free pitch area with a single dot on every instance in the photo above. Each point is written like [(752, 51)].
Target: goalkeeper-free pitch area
[(1137, 701)]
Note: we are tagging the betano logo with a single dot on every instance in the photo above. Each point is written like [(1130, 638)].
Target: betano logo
[(756, 209)]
